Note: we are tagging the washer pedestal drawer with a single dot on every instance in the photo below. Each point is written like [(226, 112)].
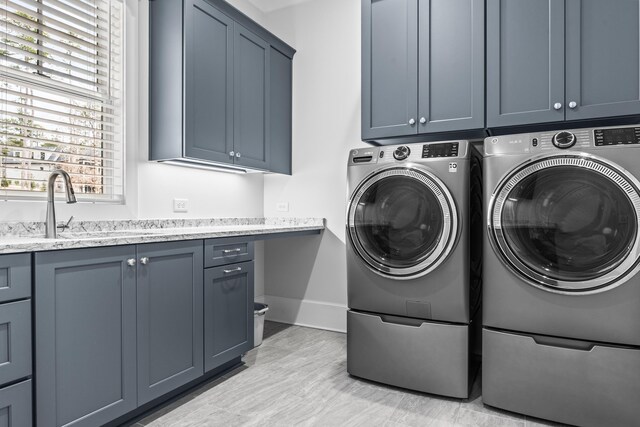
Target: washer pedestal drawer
[(568, 381), (409, 353)]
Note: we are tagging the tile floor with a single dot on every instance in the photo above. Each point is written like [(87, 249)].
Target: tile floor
[(298, 377)]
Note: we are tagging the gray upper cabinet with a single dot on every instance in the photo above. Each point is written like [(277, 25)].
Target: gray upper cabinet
[(389, 68), (280, 111), (208, 82), (603, 58), (214, 106), (85, 336), (422, 66), (170, 319), (556, 60), (251, 98), (525, 61), (450, 65)]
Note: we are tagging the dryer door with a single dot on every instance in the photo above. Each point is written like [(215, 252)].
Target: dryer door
[(402, 222), (568, 223)]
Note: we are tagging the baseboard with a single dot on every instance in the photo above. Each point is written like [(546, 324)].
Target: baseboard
[(313, 314)]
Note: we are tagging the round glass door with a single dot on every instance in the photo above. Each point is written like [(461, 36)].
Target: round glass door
[(568, 223), (401, 222)]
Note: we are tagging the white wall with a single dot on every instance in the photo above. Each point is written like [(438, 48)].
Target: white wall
[(305, 278)]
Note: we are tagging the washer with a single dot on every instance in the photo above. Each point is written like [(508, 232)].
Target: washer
[(561, 294), (413, 264)]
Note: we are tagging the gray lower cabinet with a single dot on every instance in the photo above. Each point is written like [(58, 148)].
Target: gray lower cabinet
[(15, 405), (85, 335), (422, 67), (115, 327), (214, 106), (169, 313), (15, 341), (15, 276), (228, 312), (556, 60)]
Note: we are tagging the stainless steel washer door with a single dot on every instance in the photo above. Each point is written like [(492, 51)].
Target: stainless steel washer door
[(568, 223), (402, 222)]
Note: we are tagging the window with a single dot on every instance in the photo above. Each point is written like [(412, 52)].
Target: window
[(60, 97)]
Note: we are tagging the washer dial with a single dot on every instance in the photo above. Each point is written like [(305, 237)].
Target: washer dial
[(564, 139), (401, 152)]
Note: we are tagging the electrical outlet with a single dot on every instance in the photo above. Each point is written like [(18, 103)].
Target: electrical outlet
[(181, 205), (282, 206)]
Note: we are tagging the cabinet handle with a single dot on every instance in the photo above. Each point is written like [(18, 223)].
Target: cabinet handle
[(557, 106), (573, 104), (230, 251), (412, 121), (144, 260), (423, 120), (238, 155), (232, 153), (233, 270), (131, 262)]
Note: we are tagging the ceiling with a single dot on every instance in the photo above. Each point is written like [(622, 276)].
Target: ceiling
[(267, 6)]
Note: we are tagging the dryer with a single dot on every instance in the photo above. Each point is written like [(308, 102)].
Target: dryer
[(561, 298), (413, 264)]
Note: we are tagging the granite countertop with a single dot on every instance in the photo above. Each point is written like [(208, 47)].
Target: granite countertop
[(18, 237)]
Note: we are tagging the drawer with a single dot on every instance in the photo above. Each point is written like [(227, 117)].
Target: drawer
[(227, 251), (568, 381), (409, 353), (15, 276), (15, 405), (15, 341)]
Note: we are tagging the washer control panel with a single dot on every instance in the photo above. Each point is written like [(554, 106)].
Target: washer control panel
[(617, 136), (443, 149)]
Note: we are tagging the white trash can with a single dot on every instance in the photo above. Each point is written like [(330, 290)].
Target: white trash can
[(259, 311)]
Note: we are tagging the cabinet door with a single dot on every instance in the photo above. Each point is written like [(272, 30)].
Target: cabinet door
[(251, 98), (228, 313), (525, 62), (208, 82), (85, 336), (451, 65), (169, 314), (15, 405), (280, 112), (603, 58), (389, 68)]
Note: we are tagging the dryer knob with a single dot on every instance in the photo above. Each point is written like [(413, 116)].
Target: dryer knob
[(401, 152), (564, 139)]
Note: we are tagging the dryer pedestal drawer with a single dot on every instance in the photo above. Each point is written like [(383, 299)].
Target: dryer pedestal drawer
[(409, 353), (562, 380)]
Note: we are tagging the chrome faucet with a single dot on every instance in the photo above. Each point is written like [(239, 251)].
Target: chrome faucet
[(50, 224)]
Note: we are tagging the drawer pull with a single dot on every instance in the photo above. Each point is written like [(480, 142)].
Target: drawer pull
[(230, 251), (233, 270)]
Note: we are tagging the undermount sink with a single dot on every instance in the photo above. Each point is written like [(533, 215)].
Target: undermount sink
[(105, 234)]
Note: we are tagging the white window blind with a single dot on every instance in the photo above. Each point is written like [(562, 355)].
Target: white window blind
[(60, 97)]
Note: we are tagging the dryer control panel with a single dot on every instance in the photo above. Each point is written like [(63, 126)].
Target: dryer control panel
[(562, 140)]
